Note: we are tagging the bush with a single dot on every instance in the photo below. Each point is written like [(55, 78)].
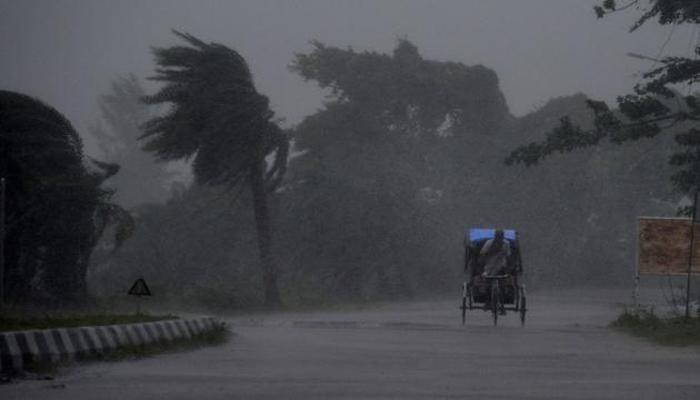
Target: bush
[(673, 331)]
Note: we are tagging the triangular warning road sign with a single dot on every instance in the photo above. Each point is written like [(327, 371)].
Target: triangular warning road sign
[(139, 288)]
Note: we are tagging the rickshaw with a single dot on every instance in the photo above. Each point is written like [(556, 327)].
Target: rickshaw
[(496, 293)]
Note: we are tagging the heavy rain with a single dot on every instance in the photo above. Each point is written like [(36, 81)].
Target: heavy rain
[(325, 199)]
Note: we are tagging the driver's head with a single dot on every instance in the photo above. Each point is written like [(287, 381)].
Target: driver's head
[(499, 234)]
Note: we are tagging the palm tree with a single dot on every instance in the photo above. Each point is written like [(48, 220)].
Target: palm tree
[(220, 120)]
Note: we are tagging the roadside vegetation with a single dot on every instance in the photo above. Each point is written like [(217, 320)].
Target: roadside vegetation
[(17, 323), (671, 331)]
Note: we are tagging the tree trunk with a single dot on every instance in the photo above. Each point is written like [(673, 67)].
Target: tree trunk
[(262, 222)]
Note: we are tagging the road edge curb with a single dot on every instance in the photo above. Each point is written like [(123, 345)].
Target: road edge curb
[(19, 349)]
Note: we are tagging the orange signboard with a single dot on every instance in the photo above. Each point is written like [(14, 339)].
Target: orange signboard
[(664, 246)]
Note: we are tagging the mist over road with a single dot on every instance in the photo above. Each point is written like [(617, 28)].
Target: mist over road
[(414, 350)]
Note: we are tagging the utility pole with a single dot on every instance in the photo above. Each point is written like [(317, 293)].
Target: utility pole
[(2, 242), (690, 257)]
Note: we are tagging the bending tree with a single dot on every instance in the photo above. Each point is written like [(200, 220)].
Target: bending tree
[(56, 207), (389, 168), (219, 119), (655, 105)]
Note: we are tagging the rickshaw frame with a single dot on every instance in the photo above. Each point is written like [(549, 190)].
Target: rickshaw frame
[(479, 291)]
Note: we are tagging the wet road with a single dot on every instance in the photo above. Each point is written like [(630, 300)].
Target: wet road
[(414, 350)]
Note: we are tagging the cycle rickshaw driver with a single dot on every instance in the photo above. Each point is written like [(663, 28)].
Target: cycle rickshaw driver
[(494, 257), (494, 254)]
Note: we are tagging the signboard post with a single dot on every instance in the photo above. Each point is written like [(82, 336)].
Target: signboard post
[(666, 246), (139, 289), (690, 256)]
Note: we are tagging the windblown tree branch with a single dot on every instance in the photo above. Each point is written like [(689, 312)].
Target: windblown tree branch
[(655, 105), (220, 120)]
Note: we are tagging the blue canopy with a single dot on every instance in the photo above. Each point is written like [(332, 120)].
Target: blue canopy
[(487, 233)]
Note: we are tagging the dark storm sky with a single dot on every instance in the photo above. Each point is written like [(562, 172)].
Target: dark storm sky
[(66, 52)]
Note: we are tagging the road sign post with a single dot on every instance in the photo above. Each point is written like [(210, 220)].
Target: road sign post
[(139, 289), (690, 256)]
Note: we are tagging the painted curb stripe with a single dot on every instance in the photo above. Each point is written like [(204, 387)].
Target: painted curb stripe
[(60, 346), (54, 353), (130, 333), (117, 335), (167, 332), (126, 336), (76, 339), (170, 325), (6, 356), (151, 332), (191, 328), (44, 350), (31, 344), (142, 331), (15, 352), (199, 325), (188, 326), (105, 338), (21, 348), (160, 331), (178, 329), (70, 349), (92, 332), (112, 334), (177, 333), (89, 340), (183, 329), (137, 335)]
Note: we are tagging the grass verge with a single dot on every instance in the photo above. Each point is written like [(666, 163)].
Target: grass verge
[(18, 323), (672, 331), (216, 336)]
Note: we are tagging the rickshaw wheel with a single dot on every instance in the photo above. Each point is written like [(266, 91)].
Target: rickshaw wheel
[(470, 306), (523, 310), (465, 290), (495, 302)]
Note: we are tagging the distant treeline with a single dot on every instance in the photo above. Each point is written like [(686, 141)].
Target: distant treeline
[(406, 154)]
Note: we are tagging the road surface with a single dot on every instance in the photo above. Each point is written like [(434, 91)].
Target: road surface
[(414, 350)]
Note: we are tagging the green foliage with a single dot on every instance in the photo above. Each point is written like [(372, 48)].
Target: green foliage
[(653, 108), (664, 11), (196, 251), (404, 90), (18, 323), (674, 331), (383, 169), (217, 116), (404, 156), (56, 207)]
